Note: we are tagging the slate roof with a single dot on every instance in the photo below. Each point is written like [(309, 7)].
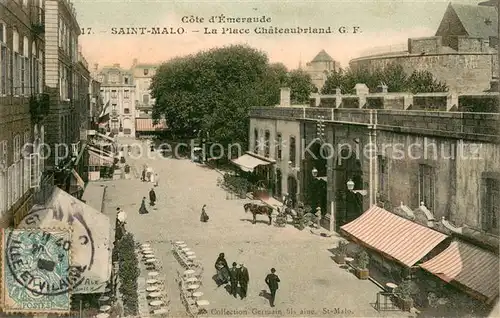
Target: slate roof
[(322, 56), (478, 21)]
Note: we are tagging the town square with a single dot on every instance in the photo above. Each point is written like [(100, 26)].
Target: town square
[(271, 159)]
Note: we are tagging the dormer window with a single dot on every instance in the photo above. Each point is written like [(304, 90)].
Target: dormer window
[(487, 21), (146, 71)]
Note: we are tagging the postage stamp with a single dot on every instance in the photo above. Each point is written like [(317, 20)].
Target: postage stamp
[(36, 270)]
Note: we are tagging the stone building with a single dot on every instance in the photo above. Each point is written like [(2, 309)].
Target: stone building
[(463, 53), (319, 68), (118, 93), (435, 167), (21, 101), (143, 74), (66, 81)]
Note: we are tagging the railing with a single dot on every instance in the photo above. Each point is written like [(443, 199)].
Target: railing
[(385, 302)]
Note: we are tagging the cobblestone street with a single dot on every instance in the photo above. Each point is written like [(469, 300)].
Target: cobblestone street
[(312, 284)]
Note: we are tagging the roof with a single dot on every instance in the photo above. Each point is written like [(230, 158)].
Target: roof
[(403, 240), (146, 124), (469, 266), (474, 19), (322, 56), (248, 162)]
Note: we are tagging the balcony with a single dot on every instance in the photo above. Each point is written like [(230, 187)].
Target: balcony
[(39, 105), (37, 20)]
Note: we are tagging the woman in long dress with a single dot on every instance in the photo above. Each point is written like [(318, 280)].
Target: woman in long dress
[(222, 270), (142, 209), (204, 216)]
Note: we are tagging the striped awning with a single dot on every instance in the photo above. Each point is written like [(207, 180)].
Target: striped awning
[(469, 266), (146, 124), (98, 160), (403, 240)]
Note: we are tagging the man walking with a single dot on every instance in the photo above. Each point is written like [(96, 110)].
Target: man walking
[(233, 274), (243, 279), (272, 281)]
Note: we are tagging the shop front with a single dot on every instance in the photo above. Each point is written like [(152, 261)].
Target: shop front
[(259, 171)]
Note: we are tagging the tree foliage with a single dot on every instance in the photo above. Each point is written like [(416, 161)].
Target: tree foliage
[(128, 274), (213, 90), (393, 76)]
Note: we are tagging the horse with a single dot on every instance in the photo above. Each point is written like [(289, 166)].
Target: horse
[(258, 209)]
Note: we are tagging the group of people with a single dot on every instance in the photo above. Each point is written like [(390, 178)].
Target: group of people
[(238, 275), (152, 202), (148, 175)]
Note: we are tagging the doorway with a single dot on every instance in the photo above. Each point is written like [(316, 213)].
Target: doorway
[(278, 192), (292, 190), (349, 205)]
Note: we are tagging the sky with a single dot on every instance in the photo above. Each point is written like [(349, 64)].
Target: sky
[(383, 26)]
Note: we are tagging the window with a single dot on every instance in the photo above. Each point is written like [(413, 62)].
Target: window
[(256, 140), (292, 151), (17, 148), (34, 69), (278, 146), (114, 79), (4, 61), (126, 94), (383, 182), (3, 153), (145, 99), (24, 76), (26, 163), (40, 71), (267, 146), (426, 186), (100, 79), (126, 110), (16, 65), (146, 71), (125, 80), (114, 94), (491, 209)]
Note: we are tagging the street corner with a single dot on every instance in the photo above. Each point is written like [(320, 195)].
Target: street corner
[(36, 271)]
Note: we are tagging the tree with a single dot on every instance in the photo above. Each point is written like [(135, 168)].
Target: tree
[(392, 75), (212, 91), (300, 85)]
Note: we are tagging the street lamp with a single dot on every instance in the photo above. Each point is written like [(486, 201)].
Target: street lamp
[(350, 187)]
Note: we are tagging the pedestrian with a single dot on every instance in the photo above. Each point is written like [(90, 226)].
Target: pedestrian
[(204, 216), (272, 281), (243, 279), (142, 209), (152, 197), (157, 179), (234, 277), (152, 179), (149, 172), (222, 270), (143, 178)]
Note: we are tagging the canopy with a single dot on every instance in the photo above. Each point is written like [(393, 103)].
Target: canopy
[(248, 162), (403, 240), (96, 159), (469, 266), (91, 236)]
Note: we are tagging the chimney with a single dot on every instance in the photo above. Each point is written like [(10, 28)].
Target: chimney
[(116, 65), (382, 88), (285, 96)]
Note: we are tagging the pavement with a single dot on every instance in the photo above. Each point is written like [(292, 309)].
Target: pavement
[(312, 284)]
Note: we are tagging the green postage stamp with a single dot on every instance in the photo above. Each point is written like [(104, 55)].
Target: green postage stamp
[(36, 273)]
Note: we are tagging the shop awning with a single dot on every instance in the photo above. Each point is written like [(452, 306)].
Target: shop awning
[(248, 162), (91, 236), (78, 180), (403, 240), (469, 266), (146, 124), (98, 160)]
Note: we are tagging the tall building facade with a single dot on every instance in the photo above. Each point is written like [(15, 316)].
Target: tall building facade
[(21, 101), (67, 81), (118, 93), (143, 75)]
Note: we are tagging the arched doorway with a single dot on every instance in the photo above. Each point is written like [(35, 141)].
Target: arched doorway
[(349, 205), (292, 189), (278, 184), (315, 188)]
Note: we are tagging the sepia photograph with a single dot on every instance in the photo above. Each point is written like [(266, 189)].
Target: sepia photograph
[(249, 158)]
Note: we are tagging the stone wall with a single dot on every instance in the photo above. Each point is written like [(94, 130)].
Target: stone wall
[(462, 72)]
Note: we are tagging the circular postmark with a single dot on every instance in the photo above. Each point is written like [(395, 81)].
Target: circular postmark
[(81, 242), (40, 261)]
